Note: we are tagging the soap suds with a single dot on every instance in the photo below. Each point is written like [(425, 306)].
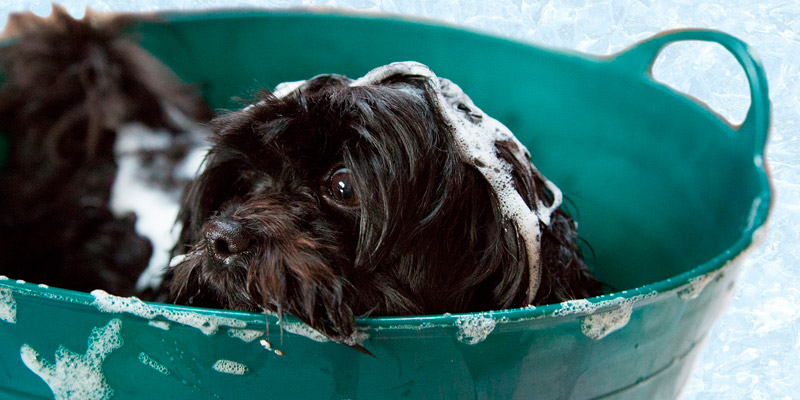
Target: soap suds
[(697, 284), (598, 325), (149, 182), (300, 328), (580, 306), (8, 306), (146, 360), (473, 329), (285, 88), (208, 324), (230, 367), (357, 337), (177, 260), (477, 134), (78, 376), (163, 325), (246, 335)]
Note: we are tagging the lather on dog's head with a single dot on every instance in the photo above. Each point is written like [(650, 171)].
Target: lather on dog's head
[(340, 198)]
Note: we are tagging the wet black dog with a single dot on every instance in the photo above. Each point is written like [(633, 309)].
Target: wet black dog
[(68, 86), (331, 199)]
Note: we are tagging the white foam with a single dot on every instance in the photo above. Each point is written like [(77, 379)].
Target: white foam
[(285, 88), (177, 260), (147, 360), (302, 329), (246, 335), (163, 325), (8, 306), (697, 284), (477, 134), (579, 306), (281, 90), (230, 367), (473, 329), (156, 208), (598, 325), (208, 324), (78, 376), (193, 163), (3, 278), (358, 337)]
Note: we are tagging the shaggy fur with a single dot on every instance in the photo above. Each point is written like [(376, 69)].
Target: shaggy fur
[(408, 228), (67, 87)]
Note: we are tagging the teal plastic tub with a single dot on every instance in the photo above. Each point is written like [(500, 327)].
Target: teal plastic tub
[(668, 194)]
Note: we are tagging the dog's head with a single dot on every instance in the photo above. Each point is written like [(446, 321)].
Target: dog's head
[(334, 198)]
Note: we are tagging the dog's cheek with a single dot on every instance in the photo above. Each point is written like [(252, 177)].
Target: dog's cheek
[(183, 280)]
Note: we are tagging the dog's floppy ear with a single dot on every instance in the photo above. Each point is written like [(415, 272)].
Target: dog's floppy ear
[(564, 275)]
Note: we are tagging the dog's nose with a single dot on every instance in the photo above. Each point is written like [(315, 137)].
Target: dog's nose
[(225, 238)]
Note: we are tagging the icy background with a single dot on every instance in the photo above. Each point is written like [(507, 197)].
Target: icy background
[(754, 350)]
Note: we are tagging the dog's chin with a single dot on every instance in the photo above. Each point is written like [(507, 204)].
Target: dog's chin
[(205, 282), (267, 281)]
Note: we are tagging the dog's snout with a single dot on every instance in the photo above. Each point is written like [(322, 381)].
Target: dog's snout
[(225, 238)]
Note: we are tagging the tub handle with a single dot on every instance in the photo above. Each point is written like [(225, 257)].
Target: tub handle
[(755, 128)]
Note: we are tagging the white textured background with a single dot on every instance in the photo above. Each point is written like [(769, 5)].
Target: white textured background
[(754, 350)]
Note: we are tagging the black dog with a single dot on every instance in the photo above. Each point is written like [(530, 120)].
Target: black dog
[(68, 87), (331, 199)]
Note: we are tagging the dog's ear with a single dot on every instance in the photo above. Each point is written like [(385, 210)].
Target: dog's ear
[(510, 282), (564, 275)]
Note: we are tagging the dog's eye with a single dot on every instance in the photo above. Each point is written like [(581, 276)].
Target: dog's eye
[(341, 187)]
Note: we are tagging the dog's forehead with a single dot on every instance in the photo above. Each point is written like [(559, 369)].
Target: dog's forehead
[(325, 108), (402, 79)]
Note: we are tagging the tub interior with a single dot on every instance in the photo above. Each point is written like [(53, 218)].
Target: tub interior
[(643, 179)]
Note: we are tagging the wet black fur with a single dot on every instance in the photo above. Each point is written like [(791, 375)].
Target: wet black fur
[(427, 237)]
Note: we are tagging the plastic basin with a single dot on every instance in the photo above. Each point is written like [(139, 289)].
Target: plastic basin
[(668, 194)]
